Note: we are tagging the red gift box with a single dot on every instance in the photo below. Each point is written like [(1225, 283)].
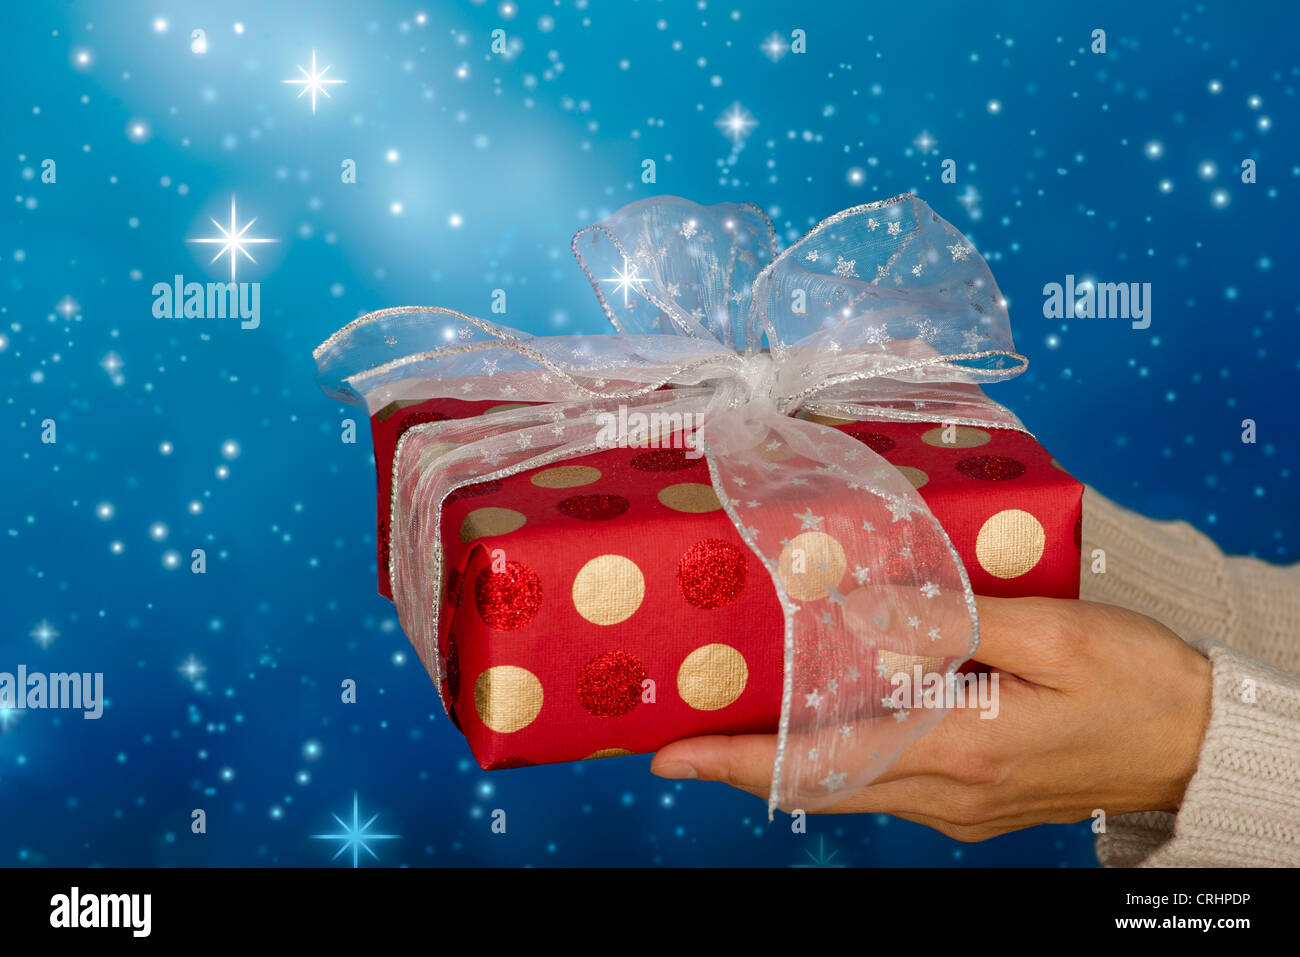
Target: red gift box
[(607, 605)]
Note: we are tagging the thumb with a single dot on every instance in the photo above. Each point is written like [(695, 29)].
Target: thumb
[(743, 760), (1023, 636)]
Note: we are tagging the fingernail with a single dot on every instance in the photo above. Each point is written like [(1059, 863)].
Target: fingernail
[(673, 769)]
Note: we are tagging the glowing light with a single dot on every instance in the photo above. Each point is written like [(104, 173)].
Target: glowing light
[(455, 221), (192, 668), (314, 82), (775, 46), (82, 58), (354, 835), (1154, 149), (160, 25), (137, 131), (994, 107), (1207, 169), (392, 156), (626, 279), (44, 633), (233, 240), (1220, 198), (736, 123), (396, 209)]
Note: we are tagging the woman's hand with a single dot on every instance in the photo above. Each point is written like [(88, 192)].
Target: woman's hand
[(1100, 708)]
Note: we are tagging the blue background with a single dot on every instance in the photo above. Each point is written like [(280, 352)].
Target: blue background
[(1057, 177)]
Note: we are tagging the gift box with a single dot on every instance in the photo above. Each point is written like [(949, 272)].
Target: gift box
[(550, 634), (771, 570)]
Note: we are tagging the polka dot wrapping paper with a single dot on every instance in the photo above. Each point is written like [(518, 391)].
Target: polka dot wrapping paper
[(606, 605)]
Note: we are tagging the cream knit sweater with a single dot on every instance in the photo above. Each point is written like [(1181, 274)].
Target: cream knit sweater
[(1242, 807)]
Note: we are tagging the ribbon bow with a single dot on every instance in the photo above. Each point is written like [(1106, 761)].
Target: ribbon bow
[(882, 311)]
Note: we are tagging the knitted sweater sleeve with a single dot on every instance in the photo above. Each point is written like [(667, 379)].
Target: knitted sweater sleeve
[(1242, 806)]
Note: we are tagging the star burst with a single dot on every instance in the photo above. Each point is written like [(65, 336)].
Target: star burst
[(355, 835), (233, 240), (314, 82), (736, 123), (626, 279)]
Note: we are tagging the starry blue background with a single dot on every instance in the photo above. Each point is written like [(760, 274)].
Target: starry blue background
[(182, 434)]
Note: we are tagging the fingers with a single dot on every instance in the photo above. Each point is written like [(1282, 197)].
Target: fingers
[(1026, 637)]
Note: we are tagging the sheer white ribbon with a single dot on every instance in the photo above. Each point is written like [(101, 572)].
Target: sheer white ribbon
[(883, 311)]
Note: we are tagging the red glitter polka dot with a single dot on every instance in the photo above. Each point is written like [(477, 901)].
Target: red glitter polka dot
[(594, 508), (712, 573), (880, 444), (451, 666), (420, 418), (610, 684), (664, 460), (502, 764), (384, 545), (990, 468), (510, 599), (473, 491), (451, 594), (913, 558)]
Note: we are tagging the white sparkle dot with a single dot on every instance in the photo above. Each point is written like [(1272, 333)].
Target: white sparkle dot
[(1207, 169), (392, 156), (455, 221), (396, 209), (239, 28), (171, 559), (166, 448), (160, 25), (157, 531), (1220, 198), (1155, 149), (230, 449), (994, 106), (104, 511)]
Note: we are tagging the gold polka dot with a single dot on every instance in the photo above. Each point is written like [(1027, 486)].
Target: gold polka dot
[(822, 419), (774, 449), (1010, 543), (892, 663), (913, 475), (505, 407), (565, 476), (712, 677), (608, 589), (507, 698), (811, 565), (433, 452), (607, 753), (485, 522), (963, 436), (690, 497)]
